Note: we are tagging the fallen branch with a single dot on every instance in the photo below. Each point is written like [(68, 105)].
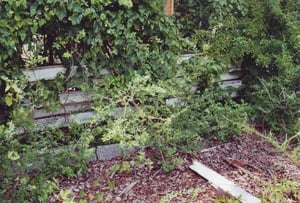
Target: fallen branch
[(128, 188)]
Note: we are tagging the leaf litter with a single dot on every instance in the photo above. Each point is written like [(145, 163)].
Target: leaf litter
[(249, 161)]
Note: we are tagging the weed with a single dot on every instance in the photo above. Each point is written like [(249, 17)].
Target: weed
[(191, 193), (226, 199), (282, 147), (281, 191), (65, 196)]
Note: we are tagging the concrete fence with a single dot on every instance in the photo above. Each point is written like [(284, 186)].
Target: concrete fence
[(75, 106)]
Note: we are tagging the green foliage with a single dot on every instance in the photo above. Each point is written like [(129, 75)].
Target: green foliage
[(277, 105), (237, 28), (64, 196), (170, 163), (281, 191), (99, 196), (30, 162), (116, 34), (191, 193), (139, 45), (263, 36), (191, 15), (284, 146), (227, 199), (136, 112)]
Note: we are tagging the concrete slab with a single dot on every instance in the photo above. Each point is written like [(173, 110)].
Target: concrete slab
[(108, 152)]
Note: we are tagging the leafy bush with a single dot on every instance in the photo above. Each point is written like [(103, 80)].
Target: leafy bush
[(277, 106), (30, 162), (236, 29), (139, 112), (262, 36), (118, 35), (139, 45)]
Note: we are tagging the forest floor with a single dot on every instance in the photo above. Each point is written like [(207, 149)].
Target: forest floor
[(249, 161)]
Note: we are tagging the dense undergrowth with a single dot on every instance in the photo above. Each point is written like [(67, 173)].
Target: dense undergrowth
[(140, 46), (263, 38)]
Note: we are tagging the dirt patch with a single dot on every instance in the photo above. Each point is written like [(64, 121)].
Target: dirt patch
[(249, 161)]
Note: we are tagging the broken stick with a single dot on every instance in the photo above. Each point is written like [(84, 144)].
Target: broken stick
[(128, 188)]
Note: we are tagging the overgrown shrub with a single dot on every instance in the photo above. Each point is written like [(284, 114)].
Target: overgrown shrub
[(277, 106), (29, 163), (263, 36), (235, 29), (139, 45), (140, 112), (117, 35)]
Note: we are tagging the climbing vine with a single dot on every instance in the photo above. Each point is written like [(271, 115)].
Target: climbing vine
[(119, 35)]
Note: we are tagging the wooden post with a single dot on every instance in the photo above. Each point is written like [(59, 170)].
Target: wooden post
[(169, 7)]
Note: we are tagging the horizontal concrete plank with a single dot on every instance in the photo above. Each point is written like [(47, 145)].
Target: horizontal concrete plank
[(62, 111), (75, 96), (44, 72)]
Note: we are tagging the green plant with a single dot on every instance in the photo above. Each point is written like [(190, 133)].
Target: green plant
[(283, 146), (277, 106), (64, 196), (191, 193), (142, 161), (261, 36), (238, 28), (281, 191), (99, 196), (118, 35), (227, 199), (170, 163), (27, 170), (139, 161), (295, 153), (134, 110), (139, 45), (112, 185)]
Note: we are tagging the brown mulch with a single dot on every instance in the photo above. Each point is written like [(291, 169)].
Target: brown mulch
[(249, 161)]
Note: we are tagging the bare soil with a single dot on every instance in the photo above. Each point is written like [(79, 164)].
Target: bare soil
[(249, 161)]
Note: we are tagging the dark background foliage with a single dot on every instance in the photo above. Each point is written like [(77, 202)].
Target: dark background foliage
[(262, 37)]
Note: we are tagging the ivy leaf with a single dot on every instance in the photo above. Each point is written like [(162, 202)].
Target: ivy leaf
[(126, 3), (61, 14), (75, 19), (67, 55), (9, 99), (13, 155), (33, 9), (41, 22)]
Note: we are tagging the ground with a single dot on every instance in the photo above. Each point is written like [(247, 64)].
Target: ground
[(249, 161)]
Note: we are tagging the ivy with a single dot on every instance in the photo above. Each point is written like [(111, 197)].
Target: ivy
[(139, 45), (120, 35)]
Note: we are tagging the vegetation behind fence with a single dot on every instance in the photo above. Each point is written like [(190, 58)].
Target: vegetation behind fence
[(121, 36), (139, 45)]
